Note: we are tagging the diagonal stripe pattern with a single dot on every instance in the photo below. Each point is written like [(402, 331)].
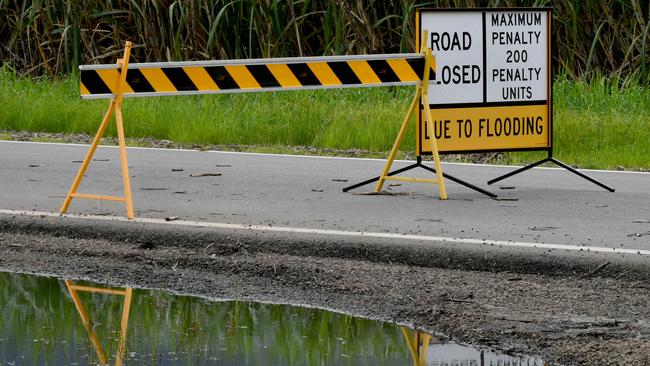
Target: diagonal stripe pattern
[(230, 76)]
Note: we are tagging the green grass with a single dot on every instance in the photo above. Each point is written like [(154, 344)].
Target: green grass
[(51, 38), (597, 125)]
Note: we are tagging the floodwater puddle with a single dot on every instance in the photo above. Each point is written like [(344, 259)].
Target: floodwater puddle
[(48, 321)]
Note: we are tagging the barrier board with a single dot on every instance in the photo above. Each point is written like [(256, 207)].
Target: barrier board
[(232, 76), (492, 90)]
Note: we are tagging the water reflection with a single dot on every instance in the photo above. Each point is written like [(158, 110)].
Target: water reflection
[(87, 321), (427, 350), (46, 321)]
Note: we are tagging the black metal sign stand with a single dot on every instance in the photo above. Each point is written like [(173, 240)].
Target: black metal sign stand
[(418, 164), (551, 159)]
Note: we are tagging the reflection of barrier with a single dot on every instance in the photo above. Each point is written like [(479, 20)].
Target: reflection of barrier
[(426, 350), (209, 77), (87, 322), (418, 344)]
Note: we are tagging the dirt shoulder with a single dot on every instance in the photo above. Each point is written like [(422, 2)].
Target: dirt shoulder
[(585, 314)]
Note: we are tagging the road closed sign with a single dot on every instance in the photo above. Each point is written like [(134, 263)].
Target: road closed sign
[(492, 87)]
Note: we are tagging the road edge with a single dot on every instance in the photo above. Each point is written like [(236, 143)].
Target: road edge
[(484, 257)]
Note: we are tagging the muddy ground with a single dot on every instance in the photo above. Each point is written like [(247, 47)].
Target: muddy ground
[(579, 315)]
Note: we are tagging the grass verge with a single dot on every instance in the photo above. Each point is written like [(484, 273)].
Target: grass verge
[(597, 125)]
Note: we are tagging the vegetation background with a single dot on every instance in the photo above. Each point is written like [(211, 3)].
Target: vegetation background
[(600, 63), (52, 37)]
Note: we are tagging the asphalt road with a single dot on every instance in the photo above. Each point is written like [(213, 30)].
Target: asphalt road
[(543, 205)]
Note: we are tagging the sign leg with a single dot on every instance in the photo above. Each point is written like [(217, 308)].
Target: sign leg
[(557, 162)]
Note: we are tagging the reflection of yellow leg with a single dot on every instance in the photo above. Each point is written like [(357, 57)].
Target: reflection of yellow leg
[(125, 322), (87, 323), (418, 344)]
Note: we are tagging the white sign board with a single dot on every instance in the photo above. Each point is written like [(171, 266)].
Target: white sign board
[(491, 88)]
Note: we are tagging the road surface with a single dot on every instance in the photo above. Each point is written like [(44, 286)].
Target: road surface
[(544, 207)]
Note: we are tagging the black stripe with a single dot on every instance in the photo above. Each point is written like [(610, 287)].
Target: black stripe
[(221, 77), (263, 76), (417, 65), (95, 85), (138, 82), (344, 72), (303, 73), (383, 70), (179, 78)]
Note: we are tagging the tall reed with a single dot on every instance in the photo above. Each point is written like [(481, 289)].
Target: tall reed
[(51, 37)]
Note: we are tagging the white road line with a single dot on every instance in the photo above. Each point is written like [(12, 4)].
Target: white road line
[(513, 167), (297, 230)]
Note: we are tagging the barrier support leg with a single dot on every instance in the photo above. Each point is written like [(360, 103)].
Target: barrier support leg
[(398, 139), (89, 155), (434, 144), (420, 94), (126, 179), (114, 108)]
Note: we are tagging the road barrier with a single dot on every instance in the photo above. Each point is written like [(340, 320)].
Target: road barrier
[(123, 80)]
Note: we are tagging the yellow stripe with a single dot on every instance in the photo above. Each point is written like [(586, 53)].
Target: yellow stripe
[(158, 80), (403, 70), (83, 89), (364, 72), (243, 77), (110, 78), (283, 75), (200, 78), (324, 73)]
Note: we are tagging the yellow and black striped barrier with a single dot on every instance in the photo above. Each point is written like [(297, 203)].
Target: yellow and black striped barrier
[(123, 79), (231, 76)]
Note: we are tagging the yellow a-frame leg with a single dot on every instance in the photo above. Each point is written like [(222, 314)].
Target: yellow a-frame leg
[(114, 108), (420, 95), (86, 321)]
